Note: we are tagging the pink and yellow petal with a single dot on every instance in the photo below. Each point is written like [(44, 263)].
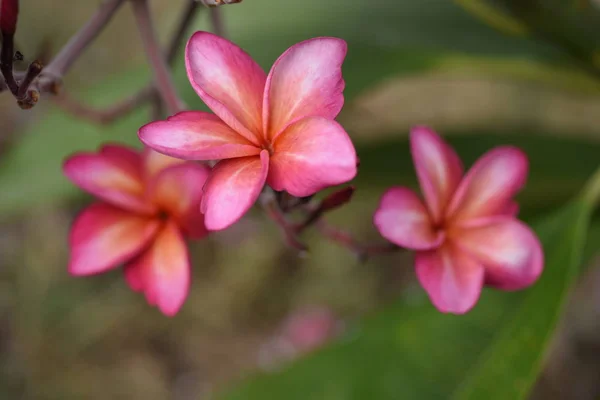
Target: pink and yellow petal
[(229, 81), (310, 155), (110, 178), (154, 162), (402, 218), (162, 272), (509, 250), (196, 136), (103, 237), (489, 185), (178, 191), (305, 81), (232, 188), (452, 279), (438, 168)]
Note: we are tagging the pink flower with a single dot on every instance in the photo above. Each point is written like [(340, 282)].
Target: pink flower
[(466, 234), (149, 204), (277, 129)]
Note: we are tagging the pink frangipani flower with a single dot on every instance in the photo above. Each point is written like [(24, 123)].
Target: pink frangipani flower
[(276, 129), (466, 233), (148, 204)]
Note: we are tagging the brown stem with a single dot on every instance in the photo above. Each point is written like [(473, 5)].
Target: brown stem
[(162, 76), (187, 17), (34, 69), (147, 94), (63, 61), (345, 239), (110, 114), (269, 204), (216, 21), (6, 62)]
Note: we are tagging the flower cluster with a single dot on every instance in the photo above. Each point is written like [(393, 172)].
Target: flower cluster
[(466, 233), (148, 204), (278, 129)]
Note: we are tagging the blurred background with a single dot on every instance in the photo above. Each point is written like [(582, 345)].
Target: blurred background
[(256, 310)]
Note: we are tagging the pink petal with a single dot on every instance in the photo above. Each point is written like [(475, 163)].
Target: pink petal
[(163, 271), (305, 81), (154, 162), (232, 188), (403, 220), (196, 136), (310, 155), (452, 279), (177, 190), (489, 185), (229, 81), (114, 175), (102, 237), (509, 250), (439, 169)]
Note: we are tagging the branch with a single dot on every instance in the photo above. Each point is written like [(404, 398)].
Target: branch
[(63, 61), (162, 76), (363, 252), (216, 20), (269, 204), (147, 94), (6, 62)]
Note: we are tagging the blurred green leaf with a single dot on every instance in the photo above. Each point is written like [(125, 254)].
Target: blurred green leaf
[(412, 351)]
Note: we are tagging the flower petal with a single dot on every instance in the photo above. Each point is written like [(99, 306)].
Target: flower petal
[(305, 81), (452, 279), (102, 237), (232, 188), (403, 220), (196, 135), (509, 250), (178, 191), (310, 155), (154, 162), (163, 271), (489, 185), (111, 175), (438, 167), (229, 81)]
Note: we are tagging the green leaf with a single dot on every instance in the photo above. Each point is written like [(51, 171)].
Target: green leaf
[(411, 351)]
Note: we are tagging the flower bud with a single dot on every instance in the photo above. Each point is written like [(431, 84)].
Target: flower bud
[(9, 9)]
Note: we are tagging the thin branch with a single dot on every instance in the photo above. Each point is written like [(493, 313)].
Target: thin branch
[(110, 114), (63, 61), (269, 204), (162, 76), (345, 239), (147, 94), (188, 14), (216, 21), (34, 69), (6, 62)]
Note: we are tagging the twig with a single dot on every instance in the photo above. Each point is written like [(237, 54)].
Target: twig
[(63, 61), (33, 71), (6, 62), (269, 204), (162, 75), (216, 20), (363, 252), (185, 20), (110, 114), (147, 94)]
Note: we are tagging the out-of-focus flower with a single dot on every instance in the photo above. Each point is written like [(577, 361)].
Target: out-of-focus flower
[(148, 204), (466, 234), (9, 11), (302, 332), (277, 129)]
